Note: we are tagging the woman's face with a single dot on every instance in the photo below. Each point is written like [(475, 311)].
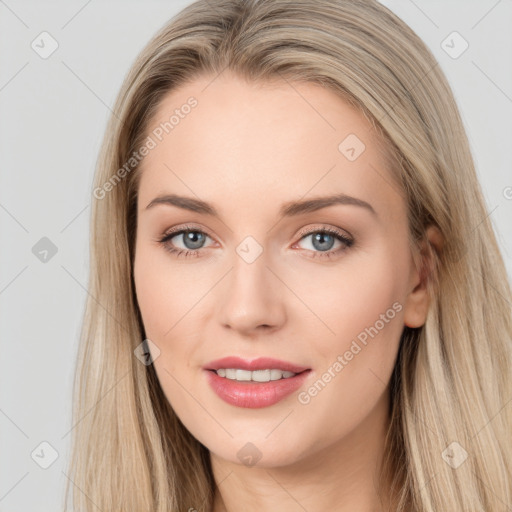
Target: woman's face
[(272, 267)]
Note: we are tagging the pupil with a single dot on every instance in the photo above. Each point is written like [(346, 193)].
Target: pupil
[(320, 238), (195, 238)]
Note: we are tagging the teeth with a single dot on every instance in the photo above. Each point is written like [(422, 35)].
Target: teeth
[(256, 376)]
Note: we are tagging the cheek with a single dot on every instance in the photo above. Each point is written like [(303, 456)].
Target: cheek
[(363, 305), (164, 302), (169, 301), (363, 292), (368, 302), (164, 295), (152, 297)]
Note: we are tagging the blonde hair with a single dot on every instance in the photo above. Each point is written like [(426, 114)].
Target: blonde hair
[(452, 379)]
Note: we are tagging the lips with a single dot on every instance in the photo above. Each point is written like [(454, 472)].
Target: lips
[(261, 363), (251, 394), (254, 395)]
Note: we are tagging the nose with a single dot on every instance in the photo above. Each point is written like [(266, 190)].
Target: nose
[(252, 298)]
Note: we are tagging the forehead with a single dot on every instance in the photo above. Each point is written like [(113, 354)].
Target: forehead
[(223, 137)]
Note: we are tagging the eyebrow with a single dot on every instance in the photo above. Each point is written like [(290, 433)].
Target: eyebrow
[(289, 209)]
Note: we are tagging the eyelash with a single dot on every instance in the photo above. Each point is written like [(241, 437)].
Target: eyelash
[(185, 253)]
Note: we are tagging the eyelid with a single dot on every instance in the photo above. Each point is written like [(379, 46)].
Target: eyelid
[(186, 227), (322, 227)]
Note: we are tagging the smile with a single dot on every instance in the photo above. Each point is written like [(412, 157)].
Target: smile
[(251, 393), (255, 376)]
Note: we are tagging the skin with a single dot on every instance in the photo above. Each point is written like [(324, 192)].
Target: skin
[(248, 148)]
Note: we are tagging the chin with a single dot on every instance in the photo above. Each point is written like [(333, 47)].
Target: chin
[(258, 452)]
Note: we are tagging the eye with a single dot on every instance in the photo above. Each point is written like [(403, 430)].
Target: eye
[(324, 239), (190, 237), (193, 240)]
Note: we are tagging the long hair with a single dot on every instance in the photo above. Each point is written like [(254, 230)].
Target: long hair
[(449, 441)]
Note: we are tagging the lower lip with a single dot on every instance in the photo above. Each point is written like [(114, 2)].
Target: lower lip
[(254, 395)]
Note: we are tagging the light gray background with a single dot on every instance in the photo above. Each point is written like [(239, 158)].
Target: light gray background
[(53, 114)]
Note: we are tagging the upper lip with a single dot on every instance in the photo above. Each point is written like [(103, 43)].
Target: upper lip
[(261, 363)]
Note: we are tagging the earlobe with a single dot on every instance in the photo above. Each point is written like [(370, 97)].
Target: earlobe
[(418, 300)]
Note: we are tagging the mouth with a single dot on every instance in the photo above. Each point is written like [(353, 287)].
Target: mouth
[(254, 384), (267, 375), (261, 363)]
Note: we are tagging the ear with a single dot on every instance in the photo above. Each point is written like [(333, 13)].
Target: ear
[(418, 300)]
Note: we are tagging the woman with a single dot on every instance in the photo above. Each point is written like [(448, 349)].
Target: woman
[(297, 300)]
